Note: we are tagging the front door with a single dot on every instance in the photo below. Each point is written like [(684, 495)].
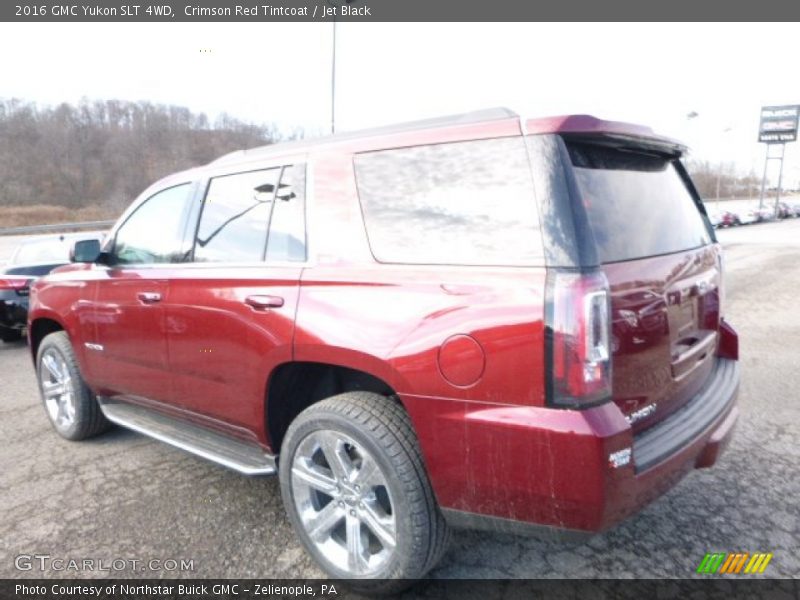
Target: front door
[(130, 344), (128, 353)]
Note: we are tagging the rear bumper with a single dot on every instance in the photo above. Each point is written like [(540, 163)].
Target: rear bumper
[(565, 470), (659, 443), (13, 311)]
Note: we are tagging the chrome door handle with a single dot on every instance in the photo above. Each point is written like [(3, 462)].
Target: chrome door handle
[(260, 302), (149, 297)]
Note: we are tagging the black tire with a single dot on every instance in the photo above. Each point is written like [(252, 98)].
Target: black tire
[(89, 419), (383, 428), (9, 336)]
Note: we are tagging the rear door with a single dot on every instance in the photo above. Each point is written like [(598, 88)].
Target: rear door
[(658, 253), (230, 314)]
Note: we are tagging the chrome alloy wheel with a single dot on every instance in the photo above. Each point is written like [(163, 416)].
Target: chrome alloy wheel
[(343, 502), (57, 389)]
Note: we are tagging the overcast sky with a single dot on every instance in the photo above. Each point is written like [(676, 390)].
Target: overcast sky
[(653, 74)]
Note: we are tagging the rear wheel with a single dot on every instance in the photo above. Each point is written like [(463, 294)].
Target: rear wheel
[(357, 494), (70, 404)]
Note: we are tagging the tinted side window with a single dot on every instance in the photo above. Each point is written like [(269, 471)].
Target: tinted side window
[(233, 224), (458, 203), (154, 232), (637, 204), (239, 209), (287, 230)]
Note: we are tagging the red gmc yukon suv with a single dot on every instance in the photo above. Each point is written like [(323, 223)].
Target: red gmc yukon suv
[(474, 321)]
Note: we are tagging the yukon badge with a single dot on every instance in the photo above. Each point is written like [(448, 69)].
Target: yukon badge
[(641, 413)]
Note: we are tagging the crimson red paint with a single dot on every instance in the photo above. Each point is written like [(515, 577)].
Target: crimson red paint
[(472, 351), (461, 360)]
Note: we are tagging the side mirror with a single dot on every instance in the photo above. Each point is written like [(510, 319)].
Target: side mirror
[(84, 251)]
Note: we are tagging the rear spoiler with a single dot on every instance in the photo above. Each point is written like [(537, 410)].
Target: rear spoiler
[(614, 133), (651, 145)]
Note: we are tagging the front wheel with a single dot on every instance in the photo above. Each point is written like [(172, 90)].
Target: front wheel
[(357, 494), (70, 404)]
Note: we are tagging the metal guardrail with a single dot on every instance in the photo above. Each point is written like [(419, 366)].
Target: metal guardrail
[(33, 229)]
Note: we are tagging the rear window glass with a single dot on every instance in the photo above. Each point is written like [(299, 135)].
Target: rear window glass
[(637, 204), (469, 203)]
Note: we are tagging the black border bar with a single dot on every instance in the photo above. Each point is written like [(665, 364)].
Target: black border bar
[(709, 587), (400, 11)]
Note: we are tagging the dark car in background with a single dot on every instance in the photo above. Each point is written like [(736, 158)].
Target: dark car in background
[(31, 259), (14, 290)]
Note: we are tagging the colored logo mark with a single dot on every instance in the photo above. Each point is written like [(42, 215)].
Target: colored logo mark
[(734, 562)]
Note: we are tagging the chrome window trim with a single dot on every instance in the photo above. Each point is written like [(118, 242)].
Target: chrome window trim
[(207, 177)]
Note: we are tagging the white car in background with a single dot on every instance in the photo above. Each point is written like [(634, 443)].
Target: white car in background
[(715, 219), (765, 214), (749, 216)]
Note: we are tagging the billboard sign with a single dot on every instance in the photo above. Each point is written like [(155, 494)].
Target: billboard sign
[(778, 124)]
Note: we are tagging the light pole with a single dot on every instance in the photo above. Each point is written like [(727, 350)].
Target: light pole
[(333, 79), (719, 168), (333, 67), (336, 7)]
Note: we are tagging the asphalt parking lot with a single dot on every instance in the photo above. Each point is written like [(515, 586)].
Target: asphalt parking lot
[(122, 496)]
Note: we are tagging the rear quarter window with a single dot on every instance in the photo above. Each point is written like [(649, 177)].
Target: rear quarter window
[(462, 203), (637, 204)]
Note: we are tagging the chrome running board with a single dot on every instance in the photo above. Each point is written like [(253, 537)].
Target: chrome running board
[(239, 455)]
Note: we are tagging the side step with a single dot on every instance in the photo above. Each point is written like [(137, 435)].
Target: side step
[(238, 455)]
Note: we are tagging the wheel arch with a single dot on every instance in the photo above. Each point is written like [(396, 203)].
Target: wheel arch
[(294, 386), (39, 328)]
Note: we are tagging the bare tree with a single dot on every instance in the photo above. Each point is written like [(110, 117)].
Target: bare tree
[(103, 153)]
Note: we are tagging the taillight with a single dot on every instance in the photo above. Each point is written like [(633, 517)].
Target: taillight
[(13, 284), (578, 339)]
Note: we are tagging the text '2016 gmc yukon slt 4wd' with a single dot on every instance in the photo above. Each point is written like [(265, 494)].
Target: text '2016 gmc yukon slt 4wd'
[(475, 321)]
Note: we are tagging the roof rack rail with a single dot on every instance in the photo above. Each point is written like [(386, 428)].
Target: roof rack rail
[(478, 116)]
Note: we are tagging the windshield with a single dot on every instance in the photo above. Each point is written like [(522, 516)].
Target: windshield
[(48, 251)]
